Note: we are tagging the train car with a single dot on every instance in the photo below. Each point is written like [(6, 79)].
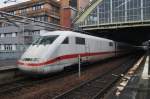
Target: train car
[(58, 49), (123, 48)]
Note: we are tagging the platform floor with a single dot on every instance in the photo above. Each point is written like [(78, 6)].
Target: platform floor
[(137, 88), (8, 64)]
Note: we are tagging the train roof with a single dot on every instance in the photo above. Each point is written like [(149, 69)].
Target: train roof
[(71, 33)]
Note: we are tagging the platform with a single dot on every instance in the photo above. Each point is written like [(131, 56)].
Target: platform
[(8, 64), (138, 87)]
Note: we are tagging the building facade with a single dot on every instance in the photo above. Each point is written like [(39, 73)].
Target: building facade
[(14, 40), (69, 10), (43, 10)]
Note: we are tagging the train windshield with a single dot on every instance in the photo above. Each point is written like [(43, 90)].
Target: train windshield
[(44, 40)]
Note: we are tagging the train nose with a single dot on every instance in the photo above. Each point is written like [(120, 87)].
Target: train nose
[(28, 68)]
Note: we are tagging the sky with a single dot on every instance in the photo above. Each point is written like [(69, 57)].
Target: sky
[(2, 4)]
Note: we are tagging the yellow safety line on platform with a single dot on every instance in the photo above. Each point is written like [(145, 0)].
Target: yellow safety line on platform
[(128, 76), (145, 70)]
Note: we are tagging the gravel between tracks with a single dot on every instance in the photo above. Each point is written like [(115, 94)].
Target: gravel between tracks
[(58, 86)]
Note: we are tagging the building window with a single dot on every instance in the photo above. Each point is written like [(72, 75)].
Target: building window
[(14, 34), (46, 18), (37, 7), (55, 10), (42, 6), (33, 8), (80, 40), (41, 18), (12, 12), (73, 3), (8, 47), (55, 21), (6, 25), (29, 33), (36, 32), (8, 34), (23, 11), (0, 47), (13, 47), (2, 35)]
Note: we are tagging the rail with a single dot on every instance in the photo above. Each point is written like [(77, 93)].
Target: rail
[(97, 87)]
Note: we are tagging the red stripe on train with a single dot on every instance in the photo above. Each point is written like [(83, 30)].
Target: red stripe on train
[(64, 57)]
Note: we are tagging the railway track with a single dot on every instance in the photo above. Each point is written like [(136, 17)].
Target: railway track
[(97, 87), (29, 81), (23, 81), (15, 87)]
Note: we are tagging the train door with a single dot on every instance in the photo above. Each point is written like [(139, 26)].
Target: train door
[(64, 50), (81, 48)]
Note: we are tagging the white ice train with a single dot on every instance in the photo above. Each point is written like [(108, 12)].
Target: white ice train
[(55, 50)]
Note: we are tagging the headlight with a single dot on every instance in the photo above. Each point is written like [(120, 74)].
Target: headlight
[(31, 59), (35, 59)]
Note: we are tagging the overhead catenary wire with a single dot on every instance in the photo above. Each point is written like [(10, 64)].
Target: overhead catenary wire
[(33, 20), (43, 23)]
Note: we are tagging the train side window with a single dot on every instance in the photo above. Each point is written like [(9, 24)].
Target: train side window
[(66, 41), (80, 41), (110, 43)]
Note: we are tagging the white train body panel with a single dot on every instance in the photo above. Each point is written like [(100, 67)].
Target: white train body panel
[(64, 50)]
